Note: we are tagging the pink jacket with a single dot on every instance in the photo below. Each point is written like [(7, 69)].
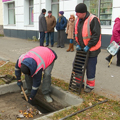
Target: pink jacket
[(42, 55), (116, 31)]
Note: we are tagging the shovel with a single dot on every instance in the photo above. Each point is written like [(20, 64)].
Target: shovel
[(24, 93)]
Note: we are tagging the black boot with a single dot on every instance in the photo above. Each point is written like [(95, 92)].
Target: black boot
[(108, 58)]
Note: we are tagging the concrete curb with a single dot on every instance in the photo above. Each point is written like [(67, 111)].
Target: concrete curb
[(9, 88), (65, 98)]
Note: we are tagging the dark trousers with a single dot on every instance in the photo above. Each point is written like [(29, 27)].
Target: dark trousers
[(51, 35), (61, 38), (118, 57), (91, 67), (42, 37)]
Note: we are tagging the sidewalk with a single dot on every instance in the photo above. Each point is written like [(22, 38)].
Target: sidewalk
[(107, 79)]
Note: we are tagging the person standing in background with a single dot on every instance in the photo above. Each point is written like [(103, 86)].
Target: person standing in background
[(116, 37), (60, 26), (51, 23), (70, 32), (42, 26)]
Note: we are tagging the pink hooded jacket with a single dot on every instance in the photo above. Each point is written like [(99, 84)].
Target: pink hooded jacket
[(116, 31)]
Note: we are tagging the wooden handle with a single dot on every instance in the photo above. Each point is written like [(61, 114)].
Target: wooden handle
[(24, 93), (110, 61)]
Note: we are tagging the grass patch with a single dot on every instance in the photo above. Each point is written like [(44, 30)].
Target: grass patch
[(1, 35), (106, 111), (9, 70)]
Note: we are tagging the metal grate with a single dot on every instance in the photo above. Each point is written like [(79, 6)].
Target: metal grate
[(77, 75)]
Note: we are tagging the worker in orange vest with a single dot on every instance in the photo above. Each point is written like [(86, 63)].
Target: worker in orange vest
[(88, 38)]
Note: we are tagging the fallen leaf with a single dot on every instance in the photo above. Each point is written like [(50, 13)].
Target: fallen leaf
[(100, 99), (90, 104)]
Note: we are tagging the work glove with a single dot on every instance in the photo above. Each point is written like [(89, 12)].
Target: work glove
[(20, 83), (78, 47), (86, 48)]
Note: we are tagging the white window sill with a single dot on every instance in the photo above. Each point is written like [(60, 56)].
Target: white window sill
[(28, 25), (10, 25), (106, 27)]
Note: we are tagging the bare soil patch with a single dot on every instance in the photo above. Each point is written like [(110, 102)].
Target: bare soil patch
[(11, 104)]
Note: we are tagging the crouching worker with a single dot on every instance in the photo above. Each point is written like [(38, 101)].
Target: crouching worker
[(32, 64)]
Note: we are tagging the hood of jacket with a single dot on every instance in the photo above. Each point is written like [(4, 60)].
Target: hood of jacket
[(31, 64)]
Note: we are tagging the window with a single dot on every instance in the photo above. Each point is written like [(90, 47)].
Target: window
[(92, 6), (102, 9), (31, 12), (105, 12), (55, 8), (11, 13)]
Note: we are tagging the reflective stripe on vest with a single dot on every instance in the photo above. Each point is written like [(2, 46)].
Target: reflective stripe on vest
[(86, 33), (42, 55), (42, 61)]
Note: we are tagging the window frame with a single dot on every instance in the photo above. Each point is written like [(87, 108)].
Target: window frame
[(55, 3), (31, 6), (14, 12), (99, 12)]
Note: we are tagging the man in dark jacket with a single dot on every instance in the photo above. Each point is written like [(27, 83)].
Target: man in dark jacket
[(60, 26), (88, 37), (51, 23), (42, 26), (32, 64)]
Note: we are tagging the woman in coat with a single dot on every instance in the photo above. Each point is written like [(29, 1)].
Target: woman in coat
[(70, 32), (116, 37)]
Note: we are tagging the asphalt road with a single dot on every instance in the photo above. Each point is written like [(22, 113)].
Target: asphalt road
[(107, 79)]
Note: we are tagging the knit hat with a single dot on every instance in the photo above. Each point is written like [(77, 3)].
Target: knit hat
[(61, 12), (49, 11), (25, 69), (81, 8)]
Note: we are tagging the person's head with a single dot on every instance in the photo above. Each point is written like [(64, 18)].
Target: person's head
[(61, 13), (49, 13), (44, 11), (72, 17), (81, 10), (25, 69)]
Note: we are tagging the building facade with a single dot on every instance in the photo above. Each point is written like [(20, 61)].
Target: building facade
[(21, 16), (1, 17)]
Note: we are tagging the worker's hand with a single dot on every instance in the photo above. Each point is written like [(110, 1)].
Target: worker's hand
[(78, 47), (86, 48), (30, 100), (20, 83)]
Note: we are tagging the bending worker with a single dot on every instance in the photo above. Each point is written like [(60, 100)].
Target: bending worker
[(32, 64), (88, 37)]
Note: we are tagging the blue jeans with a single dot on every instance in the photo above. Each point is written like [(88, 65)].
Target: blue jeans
[(50, 34), (71, 40), (42, 37)]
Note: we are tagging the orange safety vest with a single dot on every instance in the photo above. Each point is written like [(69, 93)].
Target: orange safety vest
[(86, 33), (42, 55)]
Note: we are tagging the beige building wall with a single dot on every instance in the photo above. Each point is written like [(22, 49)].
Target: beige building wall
[(1, 17)]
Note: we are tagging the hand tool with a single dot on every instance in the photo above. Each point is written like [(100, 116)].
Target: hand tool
[(24, 93)]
